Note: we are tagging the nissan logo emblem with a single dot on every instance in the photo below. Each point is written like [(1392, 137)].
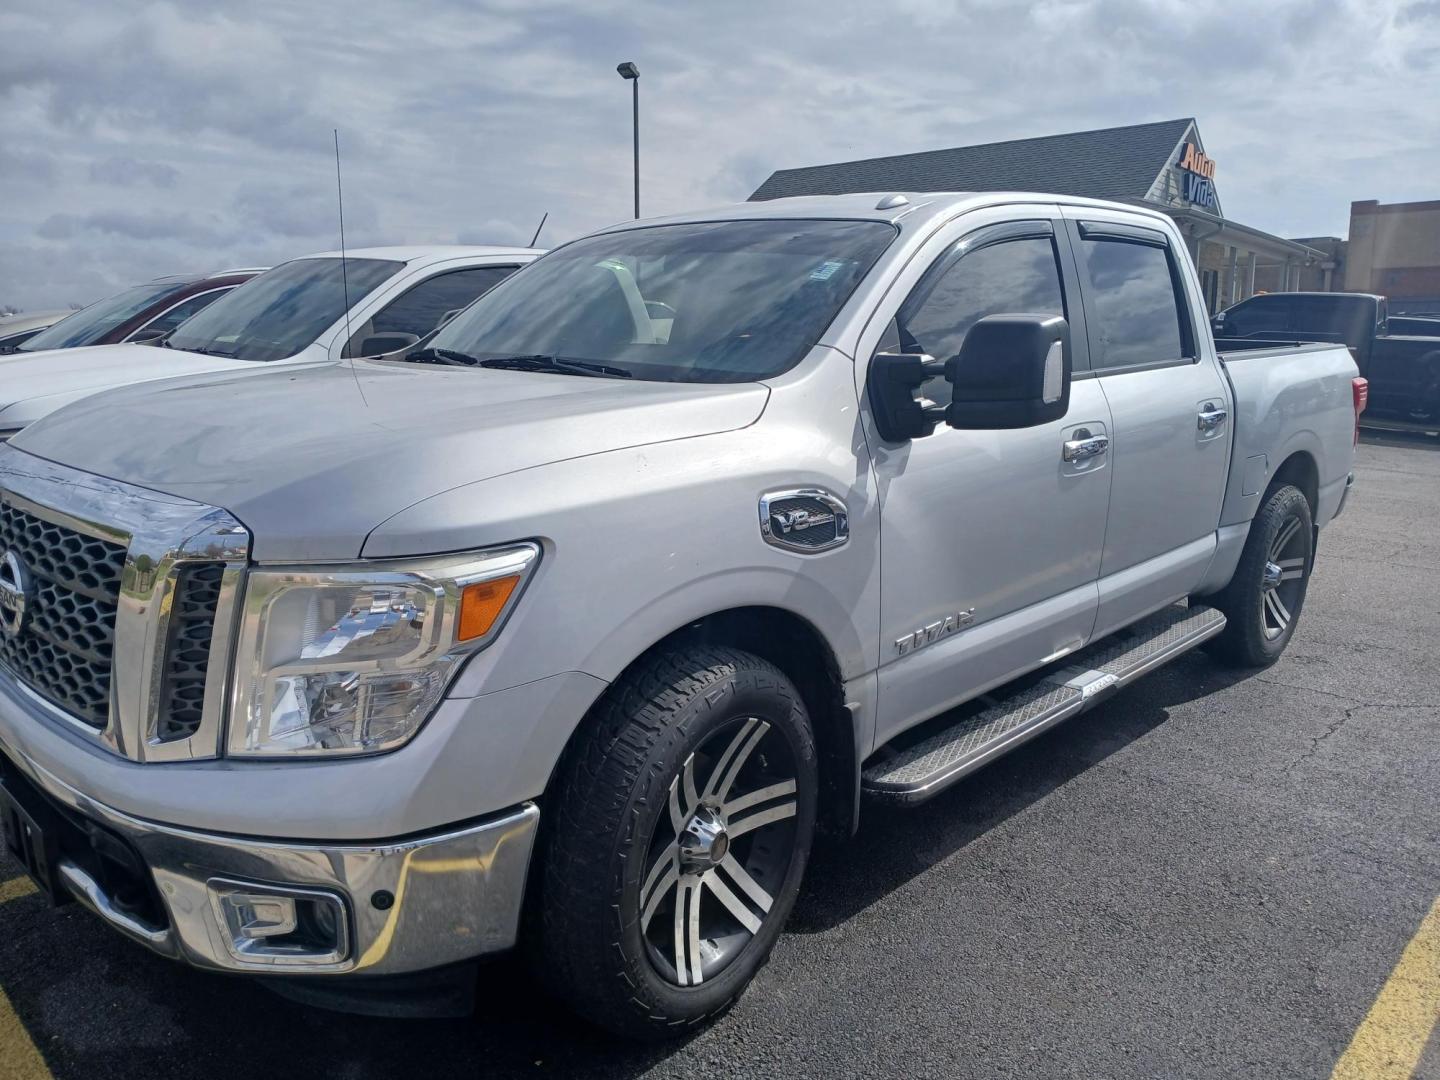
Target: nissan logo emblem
[(14, 594)]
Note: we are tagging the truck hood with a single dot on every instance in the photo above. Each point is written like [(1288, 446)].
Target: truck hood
[(32, 384), (311, 459)]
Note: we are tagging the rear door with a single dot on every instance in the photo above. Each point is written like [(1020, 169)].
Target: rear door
[(990, 541), (1169, 408)]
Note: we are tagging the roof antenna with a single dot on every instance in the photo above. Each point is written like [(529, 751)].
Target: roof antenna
[(344, 269), (538, 228), (344, 274)]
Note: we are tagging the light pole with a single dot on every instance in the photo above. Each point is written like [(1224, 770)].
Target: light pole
[(631, 74)]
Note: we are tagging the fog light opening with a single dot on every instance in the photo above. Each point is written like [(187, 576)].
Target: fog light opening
[(274, 926)]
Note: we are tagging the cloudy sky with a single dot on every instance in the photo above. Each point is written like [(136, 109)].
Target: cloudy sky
[(151, 138)]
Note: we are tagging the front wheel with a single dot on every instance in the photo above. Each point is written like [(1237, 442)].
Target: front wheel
[(681, 828), (1263, 600)]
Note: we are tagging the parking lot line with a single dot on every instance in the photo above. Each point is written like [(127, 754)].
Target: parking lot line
[(19, 1060), (1391, 1038), (15, 888)]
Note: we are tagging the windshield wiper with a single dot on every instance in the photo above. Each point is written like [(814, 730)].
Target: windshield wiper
[(559, 364), (441, 356), (209, 352)]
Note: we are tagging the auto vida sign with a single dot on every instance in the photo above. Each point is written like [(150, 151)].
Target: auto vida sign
[(1198, 174)]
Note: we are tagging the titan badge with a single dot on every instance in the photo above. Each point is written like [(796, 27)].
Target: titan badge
[(14, 594), (933, 632)]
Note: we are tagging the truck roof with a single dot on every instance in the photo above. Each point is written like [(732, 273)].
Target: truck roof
[(1330, 295), (426, 252), (906, 209)]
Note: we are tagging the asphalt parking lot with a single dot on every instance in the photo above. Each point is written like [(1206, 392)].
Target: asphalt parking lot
[(1209, 876)]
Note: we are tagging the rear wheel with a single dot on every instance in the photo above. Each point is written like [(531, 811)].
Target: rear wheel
[(1263, 600), (680, 834)]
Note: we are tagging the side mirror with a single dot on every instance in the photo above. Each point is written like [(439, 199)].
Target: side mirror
[(1013, 371), (379, 344), (153, 334)]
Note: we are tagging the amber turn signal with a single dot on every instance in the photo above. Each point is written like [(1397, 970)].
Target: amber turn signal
[(481, 605)]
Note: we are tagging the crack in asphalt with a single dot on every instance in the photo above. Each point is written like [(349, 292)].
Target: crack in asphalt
[(1345, 719)]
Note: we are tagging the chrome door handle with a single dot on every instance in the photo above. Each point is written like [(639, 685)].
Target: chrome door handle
[(1211, 419), (1080, 449)]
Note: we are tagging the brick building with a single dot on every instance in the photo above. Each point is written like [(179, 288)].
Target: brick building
[(1395, 250)]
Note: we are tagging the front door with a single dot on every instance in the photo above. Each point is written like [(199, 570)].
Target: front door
[(1169, 406), (990, 540)]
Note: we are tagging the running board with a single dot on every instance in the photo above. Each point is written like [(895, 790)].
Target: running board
[(927, 767)]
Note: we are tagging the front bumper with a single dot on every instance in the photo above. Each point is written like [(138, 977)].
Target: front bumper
[(393, 907)]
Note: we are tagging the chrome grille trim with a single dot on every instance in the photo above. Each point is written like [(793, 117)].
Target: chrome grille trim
[(161, 533)]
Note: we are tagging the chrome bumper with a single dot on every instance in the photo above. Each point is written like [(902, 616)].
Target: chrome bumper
[(402, 906)]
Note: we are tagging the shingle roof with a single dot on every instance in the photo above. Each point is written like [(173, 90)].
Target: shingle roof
[(1110, 163)]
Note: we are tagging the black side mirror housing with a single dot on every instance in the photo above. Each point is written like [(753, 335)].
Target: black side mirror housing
[(894, 378), (1013, 371)]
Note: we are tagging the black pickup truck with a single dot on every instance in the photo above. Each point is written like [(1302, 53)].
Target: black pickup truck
[(1399, 354)]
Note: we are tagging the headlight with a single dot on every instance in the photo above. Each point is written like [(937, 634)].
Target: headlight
[(353, 661)]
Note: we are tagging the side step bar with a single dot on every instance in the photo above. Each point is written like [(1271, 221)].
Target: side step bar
[(927, 767)]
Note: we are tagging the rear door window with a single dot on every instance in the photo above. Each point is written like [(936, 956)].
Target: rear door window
[(1257, 317), (1136, 313)]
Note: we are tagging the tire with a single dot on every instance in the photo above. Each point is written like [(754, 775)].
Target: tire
[(1261, 616), (650, 924)]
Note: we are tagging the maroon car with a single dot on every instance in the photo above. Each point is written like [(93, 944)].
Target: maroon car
[(142, 313)]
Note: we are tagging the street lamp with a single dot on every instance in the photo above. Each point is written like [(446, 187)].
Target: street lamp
[(630, 73)]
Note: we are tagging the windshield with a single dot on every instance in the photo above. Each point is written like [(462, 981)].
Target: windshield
[(283, 310), (726, 301), (89, 325)]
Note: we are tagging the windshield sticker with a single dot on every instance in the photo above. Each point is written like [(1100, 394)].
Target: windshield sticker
[(826, 270)]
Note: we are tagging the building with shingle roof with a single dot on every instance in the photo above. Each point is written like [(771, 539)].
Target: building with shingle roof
[(1161, 165)]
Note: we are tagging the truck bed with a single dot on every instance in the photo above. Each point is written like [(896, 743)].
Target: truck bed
[(1289, 398)]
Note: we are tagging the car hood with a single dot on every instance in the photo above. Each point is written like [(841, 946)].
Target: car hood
[(27, 380), (311, 459)]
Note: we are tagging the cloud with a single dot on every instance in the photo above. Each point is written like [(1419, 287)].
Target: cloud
[(147, 137), (130, 225), (121, 171)]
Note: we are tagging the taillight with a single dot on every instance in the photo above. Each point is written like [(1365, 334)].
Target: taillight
[(1360, 395)]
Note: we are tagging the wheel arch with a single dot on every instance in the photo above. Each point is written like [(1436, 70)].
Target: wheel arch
[(1301, 470), (797, 647)]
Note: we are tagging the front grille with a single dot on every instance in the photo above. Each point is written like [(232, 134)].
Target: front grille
[(63, 652), (192, 625)]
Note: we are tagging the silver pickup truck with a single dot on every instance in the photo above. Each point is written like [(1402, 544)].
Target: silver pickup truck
[(572, 627)]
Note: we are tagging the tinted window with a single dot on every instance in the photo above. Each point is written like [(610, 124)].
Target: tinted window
[(1332, 319), (723, 301), (10, 341), (1136, 317), (420, 310), (183, 310), (89, 325), (1015, 276), (1262, 316), (283, 310)]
